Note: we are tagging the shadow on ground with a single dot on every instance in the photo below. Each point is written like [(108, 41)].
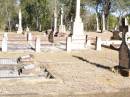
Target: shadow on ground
[(92, 63)]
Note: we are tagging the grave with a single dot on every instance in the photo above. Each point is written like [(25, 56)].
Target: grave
[(107, 43), (78, 38), (124, 52), (15, 68)]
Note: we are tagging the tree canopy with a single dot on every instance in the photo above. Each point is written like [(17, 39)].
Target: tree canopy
[(38, 14)]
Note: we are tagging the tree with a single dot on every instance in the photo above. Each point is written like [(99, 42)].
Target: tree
[(7, 12), (36, 13)]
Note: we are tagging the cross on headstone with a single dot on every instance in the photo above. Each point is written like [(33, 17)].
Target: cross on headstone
[(123, 29)]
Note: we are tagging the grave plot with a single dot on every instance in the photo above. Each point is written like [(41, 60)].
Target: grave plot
[(22, 67), (53, 46), (18, 46)]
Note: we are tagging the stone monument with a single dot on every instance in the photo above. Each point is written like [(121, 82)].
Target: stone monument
[(55, 22), (62, 28), (29, 36), (103, 22), (124, 51), (78, 38), (4, 44), (20, 29), (38, 45)]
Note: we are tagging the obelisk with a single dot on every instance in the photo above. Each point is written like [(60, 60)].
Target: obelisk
[(20, 29)]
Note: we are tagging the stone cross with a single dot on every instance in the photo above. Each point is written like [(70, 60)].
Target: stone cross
[(78, 28), (20, 29), (124, 51), (123, 29), (78, 38), (62, 28), (38, 45)]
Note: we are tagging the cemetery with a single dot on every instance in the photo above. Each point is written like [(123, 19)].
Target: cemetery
[(76, 48)]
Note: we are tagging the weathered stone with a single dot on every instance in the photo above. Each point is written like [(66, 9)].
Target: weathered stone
[(51, 37), (29, 36), (4, 44), (68, 45), (20, 29), (78, 37), (38, 45), (98, 44), (124, 52)]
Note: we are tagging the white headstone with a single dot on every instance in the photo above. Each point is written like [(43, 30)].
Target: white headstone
[(20, 29), (29, 36), (68, 47), (126, 21), (4, 44), (98, 44), (6, 35), (38, 45)]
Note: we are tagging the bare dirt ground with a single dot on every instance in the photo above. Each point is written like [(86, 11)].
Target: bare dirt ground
[(83, 73)]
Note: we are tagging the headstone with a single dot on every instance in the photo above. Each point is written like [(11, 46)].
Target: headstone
[(20, 29), (51, 37), (68, 47), (78, 36), (62, 28), (6, 35), (29, 36), (88, 42), (124, 52), (38, 45), (4, 44), (98, 44), (116, 35)]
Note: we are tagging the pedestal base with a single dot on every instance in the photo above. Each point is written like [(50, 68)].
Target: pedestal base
[(74, 43), (78, 38), (62, 29)]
